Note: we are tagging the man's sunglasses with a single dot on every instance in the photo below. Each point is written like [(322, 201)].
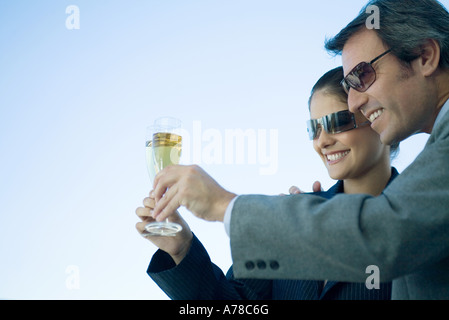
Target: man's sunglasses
[(333, 123), (362, 76)]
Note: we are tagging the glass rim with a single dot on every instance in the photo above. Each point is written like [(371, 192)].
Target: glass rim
[(168, 121)]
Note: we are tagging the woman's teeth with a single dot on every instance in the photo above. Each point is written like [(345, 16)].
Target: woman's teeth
[(336, 156)]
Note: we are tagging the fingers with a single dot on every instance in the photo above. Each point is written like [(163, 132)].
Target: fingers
[(149, 202), (145, 214), (140, 226), (294, 190), (167, 205), (164, 180), (317, 186), (191, 187), (165, 191)]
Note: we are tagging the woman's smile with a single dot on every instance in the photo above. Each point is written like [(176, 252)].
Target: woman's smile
[(335, 157)]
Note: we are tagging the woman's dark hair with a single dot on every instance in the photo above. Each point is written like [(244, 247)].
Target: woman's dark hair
[(330, 83), (404, 26)]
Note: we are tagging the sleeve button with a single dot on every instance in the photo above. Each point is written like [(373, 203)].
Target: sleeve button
[(274, 265), (249, 265), (261, 264)]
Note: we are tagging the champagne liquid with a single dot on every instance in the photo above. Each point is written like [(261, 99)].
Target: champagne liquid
[(151, 165), (166, 149)]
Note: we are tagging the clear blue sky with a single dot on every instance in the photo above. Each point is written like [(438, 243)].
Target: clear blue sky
[(74, 105)]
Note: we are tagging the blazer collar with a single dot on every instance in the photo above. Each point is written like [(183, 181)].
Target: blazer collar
[(338, 187)]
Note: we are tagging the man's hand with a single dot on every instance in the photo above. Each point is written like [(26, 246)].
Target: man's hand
[(193, 188)]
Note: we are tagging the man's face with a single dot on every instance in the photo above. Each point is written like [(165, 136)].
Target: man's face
[(399, 102)]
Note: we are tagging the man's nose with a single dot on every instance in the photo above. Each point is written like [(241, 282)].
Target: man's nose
[(356, 101)]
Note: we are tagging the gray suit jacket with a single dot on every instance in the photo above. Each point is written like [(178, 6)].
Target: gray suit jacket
[(404, 231)]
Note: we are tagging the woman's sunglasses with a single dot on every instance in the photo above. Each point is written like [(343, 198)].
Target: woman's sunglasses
[(333, 123), (362, 76)]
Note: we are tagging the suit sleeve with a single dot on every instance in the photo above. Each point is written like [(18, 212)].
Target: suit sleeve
[(197, 278), (308, 237)]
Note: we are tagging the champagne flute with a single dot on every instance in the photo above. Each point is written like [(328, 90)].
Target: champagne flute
[(163, 148)]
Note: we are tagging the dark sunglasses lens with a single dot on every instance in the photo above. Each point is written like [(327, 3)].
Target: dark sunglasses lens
[(340, 121), (362, 77), (345, 86)]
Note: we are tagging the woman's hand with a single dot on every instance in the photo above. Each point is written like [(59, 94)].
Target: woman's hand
[(176, 246)]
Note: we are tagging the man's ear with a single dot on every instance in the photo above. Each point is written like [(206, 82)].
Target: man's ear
[(430, 57)]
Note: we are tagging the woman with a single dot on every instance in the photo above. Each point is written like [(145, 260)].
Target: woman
[(352, 153)]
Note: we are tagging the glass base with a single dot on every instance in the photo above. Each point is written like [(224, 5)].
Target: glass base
[(162, 229)]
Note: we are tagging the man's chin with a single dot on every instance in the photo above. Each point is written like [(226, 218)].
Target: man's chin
[(390, 138), (387, 138)]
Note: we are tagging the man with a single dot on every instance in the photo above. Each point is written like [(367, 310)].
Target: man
[(398, 77)]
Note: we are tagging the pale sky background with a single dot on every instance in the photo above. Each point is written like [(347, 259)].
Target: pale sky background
[(74, 105)]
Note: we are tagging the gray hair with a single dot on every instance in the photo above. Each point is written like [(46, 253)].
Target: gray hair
[(404, 27)]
